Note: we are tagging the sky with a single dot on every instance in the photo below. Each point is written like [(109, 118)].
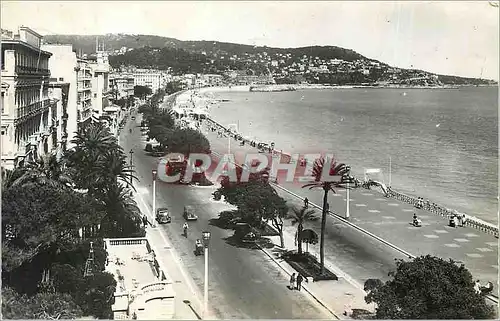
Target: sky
[(449, 37)]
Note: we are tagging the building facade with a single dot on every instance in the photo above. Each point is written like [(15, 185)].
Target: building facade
[(85, 96), (148, 78), (100, 83), (63, 70), (27, 110)]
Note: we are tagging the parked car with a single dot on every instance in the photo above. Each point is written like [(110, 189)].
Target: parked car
[(163, 216), (189, 214)]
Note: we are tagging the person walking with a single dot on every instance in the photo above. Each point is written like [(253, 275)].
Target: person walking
[(292, 282), (306, 202), (144, 221), (300, 278)]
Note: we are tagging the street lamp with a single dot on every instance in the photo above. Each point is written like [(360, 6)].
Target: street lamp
[(347, 213), (131, 165), (154, 171), (229, 137), (206, 242)]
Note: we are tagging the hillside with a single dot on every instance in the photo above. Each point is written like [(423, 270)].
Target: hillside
[(315, 64)]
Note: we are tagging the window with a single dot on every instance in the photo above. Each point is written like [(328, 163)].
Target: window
[(61, 79)]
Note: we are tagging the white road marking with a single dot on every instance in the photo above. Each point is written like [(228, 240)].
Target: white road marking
[(389, 217), (432, 236), (338, 195), (380, 199), (407, 210), (345, 199), (495, 244), (471, 235), (423, 216), (474, 255), (374, 211), (360, 205), (440, 231), (393, 204), (461, 240), (452, 245), (484, 249), (413, 228), (367, 194)]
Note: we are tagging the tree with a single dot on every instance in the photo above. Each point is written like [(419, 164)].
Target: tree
[(97, 160), (299, 217), (186, 141), (173, 87), (309, 237), (41, 219), (45, 170), (40, 306), (122, 217), (257, 201), (142, 91), (429, 288), (335, 170)]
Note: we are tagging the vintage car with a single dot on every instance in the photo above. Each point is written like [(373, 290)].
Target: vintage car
[(189, 213), (163, 216)]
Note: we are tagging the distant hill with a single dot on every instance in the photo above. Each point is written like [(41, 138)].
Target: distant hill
[(147, 51), (111, 42)]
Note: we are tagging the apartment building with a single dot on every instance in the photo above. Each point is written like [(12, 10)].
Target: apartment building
[(27, 110), (63, 67), (85, 96), (148, 78), (122, 85), (100, 83)]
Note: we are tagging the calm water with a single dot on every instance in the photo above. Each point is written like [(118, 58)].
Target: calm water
[(443, 143)]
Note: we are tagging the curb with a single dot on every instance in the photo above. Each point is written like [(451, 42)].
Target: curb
[(176, 259), (305, 287)]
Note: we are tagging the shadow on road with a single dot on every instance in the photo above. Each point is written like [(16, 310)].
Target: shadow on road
[(262, 242)]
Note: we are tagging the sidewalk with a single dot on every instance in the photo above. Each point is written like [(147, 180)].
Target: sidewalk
[(188, 302), (339, 296)]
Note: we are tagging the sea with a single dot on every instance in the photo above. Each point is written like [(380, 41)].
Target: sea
[(440, 144)]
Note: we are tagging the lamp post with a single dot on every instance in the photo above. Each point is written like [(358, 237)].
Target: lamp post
[(154, 171), (347, 213), (131, 164), (229, 138), (206, 242)]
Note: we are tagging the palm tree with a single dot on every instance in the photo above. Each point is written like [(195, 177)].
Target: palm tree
[(98, 160), (335, 169), (122, 213), (46, 170), (300, 216)]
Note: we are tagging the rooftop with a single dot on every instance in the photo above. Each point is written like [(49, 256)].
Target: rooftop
[(141, 288)]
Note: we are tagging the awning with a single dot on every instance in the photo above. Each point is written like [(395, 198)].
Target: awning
[(112, 109)]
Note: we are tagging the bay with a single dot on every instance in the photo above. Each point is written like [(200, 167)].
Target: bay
[(443, 143)]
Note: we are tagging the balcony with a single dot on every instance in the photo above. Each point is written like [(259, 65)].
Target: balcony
[(32, 110), (22, 70)]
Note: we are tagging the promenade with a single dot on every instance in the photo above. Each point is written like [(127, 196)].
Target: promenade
[(243, 283), (390, 220)]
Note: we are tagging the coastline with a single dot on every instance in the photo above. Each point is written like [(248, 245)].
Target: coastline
[(207, 93)]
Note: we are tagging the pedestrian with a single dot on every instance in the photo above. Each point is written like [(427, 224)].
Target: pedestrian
[(306, 202), (292, 282), (327, 207), (464, 220), (144, 221), (300, 278)]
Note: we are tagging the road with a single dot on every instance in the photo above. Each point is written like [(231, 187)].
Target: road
[(363, 257), (243, 283)]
